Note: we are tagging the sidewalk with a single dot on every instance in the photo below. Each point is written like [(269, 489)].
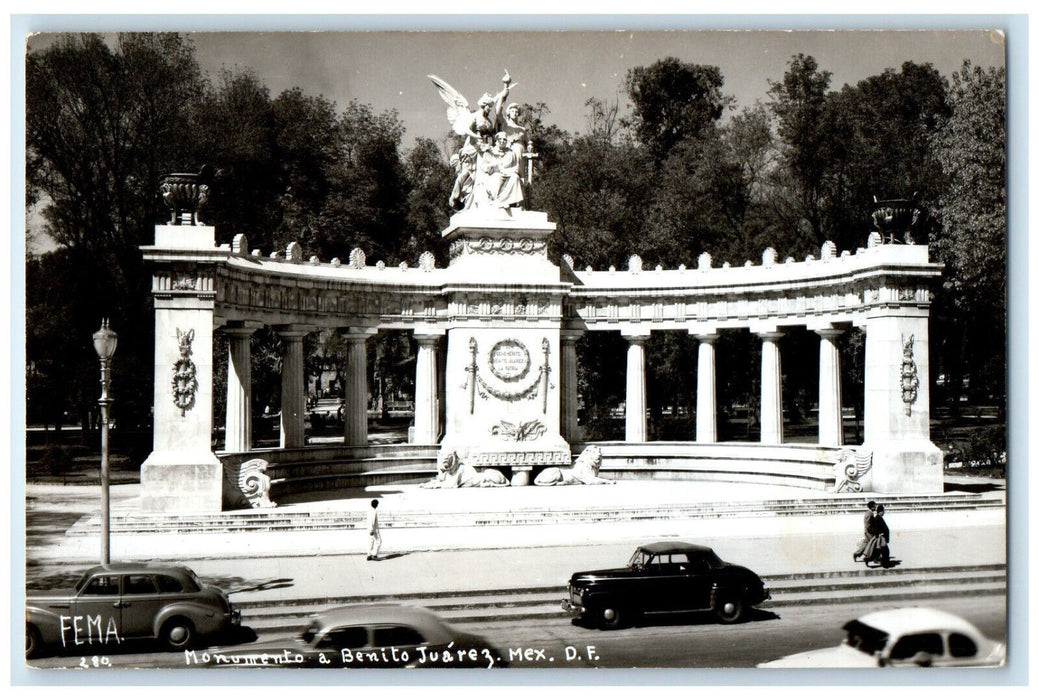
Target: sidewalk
[(319, 564)]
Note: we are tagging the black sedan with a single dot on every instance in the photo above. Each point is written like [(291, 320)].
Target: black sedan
[(664, 577)]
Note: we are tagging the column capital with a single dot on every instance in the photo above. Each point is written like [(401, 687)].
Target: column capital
[(292, 331), (571, 335), (637, 336), (356, 334), (427, 339), (829, 333), (705, 336), (240, 328)]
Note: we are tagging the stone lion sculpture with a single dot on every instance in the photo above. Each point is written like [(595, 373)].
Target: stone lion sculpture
[(452, 473), (585, 471)]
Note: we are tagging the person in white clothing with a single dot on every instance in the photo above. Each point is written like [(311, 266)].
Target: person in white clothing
[(374, 537)]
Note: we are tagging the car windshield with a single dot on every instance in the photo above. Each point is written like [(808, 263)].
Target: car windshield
[(307, 636), (639, 559), (82, 581), (868, 640)]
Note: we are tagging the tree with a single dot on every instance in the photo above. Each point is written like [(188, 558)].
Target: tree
[(971, 305), (101, 124), (799, 105), (673, 101)]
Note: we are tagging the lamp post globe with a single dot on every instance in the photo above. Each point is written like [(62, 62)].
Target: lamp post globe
[(105, 341)]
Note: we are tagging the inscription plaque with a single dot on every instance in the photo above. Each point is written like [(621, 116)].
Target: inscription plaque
[(509, 360)]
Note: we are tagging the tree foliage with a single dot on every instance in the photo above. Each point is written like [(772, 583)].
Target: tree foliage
[(669, 181)]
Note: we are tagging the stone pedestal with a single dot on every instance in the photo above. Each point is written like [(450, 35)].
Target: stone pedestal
[(182, 475), (897, 404), (503, 371)]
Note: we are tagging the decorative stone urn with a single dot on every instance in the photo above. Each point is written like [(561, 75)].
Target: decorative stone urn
[(898, 220), (185, 194)]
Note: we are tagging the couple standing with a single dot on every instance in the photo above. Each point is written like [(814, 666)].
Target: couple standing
[(874, 544)]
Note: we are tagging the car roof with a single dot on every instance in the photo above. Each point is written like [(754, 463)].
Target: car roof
[(674, 547), (382, 613), (902, 621), (124, 567)]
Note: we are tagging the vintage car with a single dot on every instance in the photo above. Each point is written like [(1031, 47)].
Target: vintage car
[(664, 577), (903, 637), (366, 636), (113, 604)]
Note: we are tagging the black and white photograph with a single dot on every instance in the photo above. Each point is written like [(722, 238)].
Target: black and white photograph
[(484, 350)]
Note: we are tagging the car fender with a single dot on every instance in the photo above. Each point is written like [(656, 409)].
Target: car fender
[(203, 617), (47, 623)]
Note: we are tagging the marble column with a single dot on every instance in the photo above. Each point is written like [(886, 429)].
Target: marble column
[(706, 402), (427, 405), (771, 389), (568, 376), (831, 427), (238, 426), (293, 393), (635, 396), (355, 406)]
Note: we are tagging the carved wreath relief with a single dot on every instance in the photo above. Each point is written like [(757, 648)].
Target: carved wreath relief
[(184, 383), (510, 362), (909, 381)]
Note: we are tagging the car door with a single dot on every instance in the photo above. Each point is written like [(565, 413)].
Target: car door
[(698, 581), (352, 638), (399, 643), (668, 584), (141, 602), (96, 613)]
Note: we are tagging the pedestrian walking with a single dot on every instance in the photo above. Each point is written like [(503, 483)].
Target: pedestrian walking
[(877, 550), (374, 536), (871, 512)]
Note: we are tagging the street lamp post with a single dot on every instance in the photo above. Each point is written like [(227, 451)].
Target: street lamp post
[(105, 341)]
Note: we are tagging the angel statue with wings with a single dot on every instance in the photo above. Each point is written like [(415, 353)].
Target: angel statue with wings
[(479, 128)]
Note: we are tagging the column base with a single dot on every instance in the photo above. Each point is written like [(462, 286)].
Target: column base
[(905, 466), (182, 482)]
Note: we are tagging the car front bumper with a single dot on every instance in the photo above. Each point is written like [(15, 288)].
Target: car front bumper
[(571, 608)]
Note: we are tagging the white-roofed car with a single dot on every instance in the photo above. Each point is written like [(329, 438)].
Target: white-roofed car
[(903, 637)]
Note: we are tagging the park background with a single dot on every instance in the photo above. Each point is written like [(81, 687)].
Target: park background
[(655, 153)]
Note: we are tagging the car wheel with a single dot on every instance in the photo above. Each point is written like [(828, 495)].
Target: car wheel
[(611, 616), (177, 634), (33, 643), (728, 607)]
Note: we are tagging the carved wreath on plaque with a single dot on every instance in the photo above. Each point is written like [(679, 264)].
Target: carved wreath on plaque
[(909, 381), (184, 382), (510, 363)]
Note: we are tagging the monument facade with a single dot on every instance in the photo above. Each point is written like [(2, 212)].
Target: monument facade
[(506, 319)]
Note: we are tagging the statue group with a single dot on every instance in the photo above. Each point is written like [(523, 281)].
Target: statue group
[(489, 164)]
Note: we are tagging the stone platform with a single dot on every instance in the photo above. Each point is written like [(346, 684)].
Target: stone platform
[(498, 517)]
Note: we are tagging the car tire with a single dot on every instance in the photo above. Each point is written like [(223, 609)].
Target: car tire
[(177, 634), (728, 607), (33, 641)]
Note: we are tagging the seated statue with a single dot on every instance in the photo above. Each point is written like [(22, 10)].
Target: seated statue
[(585, 471), (452, 473)]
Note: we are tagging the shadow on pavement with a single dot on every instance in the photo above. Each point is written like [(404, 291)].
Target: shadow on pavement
[(395, 555), (235, 584), (701, 617)]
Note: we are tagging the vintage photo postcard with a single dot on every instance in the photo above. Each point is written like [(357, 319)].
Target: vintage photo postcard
[(507, 350)]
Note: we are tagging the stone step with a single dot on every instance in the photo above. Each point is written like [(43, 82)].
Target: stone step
[(299, 520)]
